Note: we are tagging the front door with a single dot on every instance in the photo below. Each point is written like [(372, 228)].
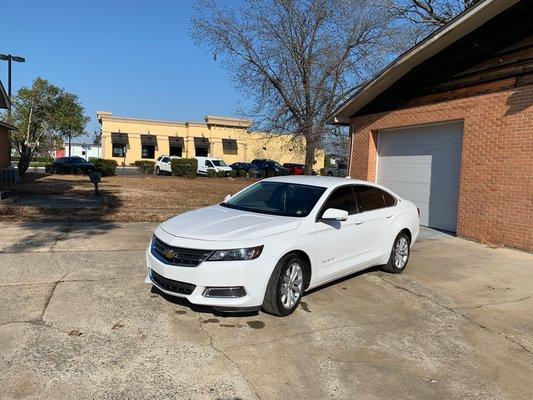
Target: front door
[(341, 244)]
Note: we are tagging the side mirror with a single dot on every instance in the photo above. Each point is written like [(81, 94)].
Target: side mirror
[(334, 214), (227, 198)]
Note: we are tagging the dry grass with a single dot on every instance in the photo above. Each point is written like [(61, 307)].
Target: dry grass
[(124, 198)]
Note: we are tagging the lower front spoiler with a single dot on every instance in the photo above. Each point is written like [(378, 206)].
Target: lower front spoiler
[(222, 309)]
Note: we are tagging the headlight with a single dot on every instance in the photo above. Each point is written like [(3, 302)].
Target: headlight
[(249, 253)]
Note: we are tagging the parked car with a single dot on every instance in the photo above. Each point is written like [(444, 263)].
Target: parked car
[(163, 164), (267, 244), (251, 170), (70, 165), (295, 169), (270, 167), (340, 170), (205, 163)]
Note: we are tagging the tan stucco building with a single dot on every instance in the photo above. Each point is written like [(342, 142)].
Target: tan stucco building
[(131, 139)]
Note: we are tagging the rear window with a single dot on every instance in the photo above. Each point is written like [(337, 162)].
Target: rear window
[(372, 198)]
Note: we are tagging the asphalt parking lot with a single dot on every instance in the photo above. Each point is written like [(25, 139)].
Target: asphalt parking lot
[(77, 322)]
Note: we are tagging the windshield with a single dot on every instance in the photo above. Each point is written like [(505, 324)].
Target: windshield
[(219, 163), (278, 198)]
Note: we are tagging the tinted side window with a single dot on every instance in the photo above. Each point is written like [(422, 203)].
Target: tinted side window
[(342, 198), (389, 199), (370, 198)]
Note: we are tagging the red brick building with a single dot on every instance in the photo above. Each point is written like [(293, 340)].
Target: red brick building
[(449, 125)]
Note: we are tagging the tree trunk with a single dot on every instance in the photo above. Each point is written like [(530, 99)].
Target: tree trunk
[(25, 158), (310, 150)]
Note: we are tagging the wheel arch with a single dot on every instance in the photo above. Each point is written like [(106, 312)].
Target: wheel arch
[(308, 269), (407, 231)]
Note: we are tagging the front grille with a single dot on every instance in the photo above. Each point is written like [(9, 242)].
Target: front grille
[(170, 285), (178, 255)]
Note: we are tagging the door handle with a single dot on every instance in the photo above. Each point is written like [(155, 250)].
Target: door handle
[(388, 216), (358, 222)]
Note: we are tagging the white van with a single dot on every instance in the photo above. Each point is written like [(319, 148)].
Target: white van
[(205, 163)]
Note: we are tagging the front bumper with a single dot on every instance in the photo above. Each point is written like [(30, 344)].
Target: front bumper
[(253, 275)]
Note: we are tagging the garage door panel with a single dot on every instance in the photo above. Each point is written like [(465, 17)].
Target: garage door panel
[(436, 154), (436, 134), (422, 164)]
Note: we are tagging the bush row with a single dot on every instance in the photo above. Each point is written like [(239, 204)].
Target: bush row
[(145, 167), (105, 167), (211, 173), (184, 167)]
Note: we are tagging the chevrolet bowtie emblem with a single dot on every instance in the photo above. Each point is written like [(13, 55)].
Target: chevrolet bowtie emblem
[(170, 254)]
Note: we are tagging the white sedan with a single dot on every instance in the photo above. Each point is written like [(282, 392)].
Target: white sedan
[(267, 244)]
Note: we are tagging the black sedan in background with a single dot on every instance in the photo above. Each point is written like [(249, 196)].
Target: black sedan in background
[(70, 165), (251, 170), (270, 167)]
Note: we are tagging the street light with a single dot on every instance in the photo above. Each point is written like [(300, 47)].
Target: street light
[(9, 58)]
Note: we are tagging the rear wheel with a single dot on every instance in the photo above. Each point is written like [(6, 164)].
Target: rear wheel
[(399, 256), (285, 287)]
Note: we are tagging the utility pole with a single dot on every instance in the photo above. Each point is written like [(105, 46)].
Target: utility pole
[(9, 58)]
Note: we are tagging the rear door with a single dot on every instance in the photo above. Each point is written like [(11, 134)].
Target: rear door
[(377, 216)]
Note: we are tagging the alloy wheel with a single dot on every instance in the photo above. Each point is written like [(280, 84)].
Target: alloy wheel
[(291, 286), (401, 252)]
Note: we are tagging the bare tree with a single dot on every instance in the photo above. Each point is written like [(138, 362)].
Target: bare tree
[(430, 13), (299, 59)]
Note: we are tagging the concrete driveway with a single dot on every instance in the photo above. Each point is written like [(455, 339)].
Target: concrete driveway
[(77, 322)]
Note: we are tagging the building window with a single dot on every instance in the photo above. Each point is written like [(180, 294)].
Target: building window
[(147, 151), (119, 150), (201, 147), (175, 151), (229, 146)]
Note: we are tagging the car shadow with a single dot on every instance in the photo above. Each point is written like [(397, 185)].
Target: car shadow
[(182, 301), (340, 280)]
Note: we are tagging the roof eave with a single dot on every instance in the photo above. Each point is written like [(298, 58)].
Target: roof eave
[(459, 27)]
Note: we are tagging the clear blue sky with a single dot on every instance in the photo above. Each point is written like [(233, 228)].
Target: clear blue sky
[(134, 58)]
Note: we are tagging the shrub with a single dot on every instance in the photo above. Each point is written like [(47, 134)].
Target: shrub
[(221, 174), (105, 167), (233, 174), (211, 173), (145, 167), (49, 168), (184, 167)]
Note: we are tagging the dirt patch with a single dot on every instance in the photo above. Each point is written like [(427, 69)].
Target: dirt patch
[(124, 198)]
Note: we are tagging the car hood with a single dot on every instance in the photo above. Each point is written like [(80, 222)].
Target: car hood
[(225, 168), (219, 223)]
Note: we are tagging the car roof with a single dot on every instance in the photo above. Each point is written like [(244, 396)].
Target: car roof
[(322, 181)]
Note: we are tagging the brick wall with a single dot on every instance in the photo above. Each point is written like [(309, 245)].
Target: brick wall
[(496, 185)]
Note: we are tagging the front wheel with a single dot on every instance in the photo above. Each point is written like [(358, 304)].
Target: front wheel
[(286, 286), (399, 256), (157, 171)]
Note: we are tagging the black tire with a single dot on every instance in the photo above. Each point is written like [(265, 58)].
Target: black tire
[(157, 171), (330, 173), (272, 304), (392, 265)]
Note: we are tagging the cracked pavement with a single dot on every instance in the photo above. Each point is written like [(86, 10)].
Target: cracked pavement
[(77, 321)]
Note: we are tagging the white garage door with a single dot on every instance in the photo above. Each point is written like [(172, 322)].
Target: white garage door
[(422, 164)]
